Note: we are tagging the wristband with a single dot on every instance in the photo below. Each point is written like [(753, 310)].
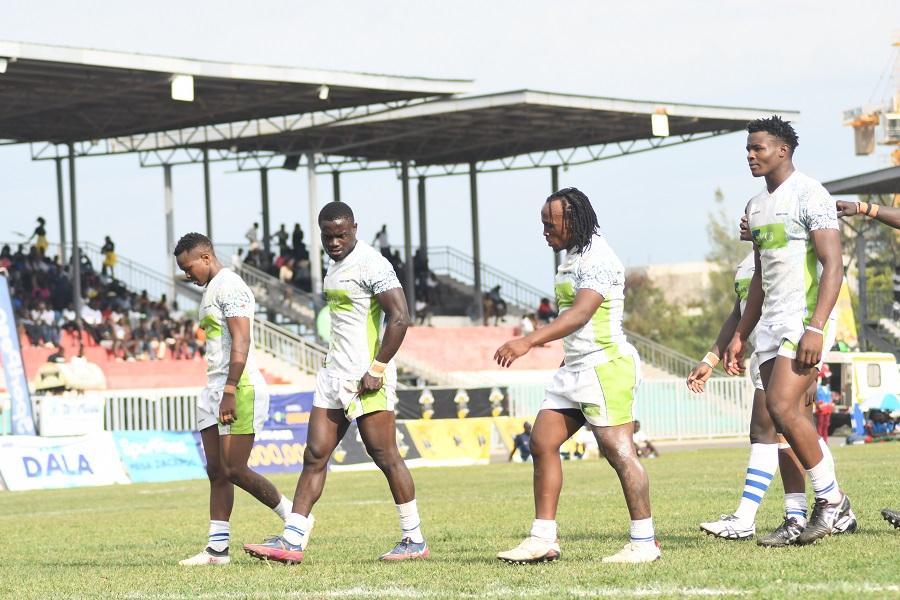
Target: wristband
[(229, 389), (710, 359), (815, 330), (862, 208), (376, 369), (874, 208)]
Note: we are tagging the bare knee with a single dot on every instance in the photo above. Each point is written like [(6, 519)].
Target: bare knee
[(763, 433), (315, 458), (216, 473), (235, 473), (542, 449), (387, 460)]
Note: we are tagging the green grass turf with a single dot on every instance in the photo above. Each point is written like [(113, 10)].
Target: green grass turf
[(124, 542)]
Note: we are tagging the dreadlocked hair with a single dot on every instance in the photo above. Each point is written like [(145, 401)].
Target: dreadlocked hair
[(579, 215), (776, 127), (192, 240)]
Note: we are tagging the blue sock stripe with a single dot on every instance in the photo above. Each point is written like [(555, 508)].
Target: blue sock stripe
[(759, 473), (826, 489), (212, 535), (756, 484), (294, 529), (419, 524), (798, 512), (753, 497)]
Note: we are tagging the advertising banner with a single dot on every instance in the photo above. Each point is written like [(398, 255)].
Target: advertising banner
[(289, 410), (279, 450), (71, 415), (452, 403), (34, 463), (452, 441), (351, 453), (13, 369), (153, 456)]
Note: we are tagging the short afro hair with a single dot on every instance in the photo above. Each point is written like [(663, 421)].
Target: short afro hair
[(192, 240), (776, 127), (335, 211)]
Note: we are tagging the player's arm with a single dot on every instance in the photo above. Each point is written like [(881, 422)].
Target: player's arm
[(886, 214), (239, 328), (734, 353), (396, 319), (704, 368), (587, 301), (827, 245)]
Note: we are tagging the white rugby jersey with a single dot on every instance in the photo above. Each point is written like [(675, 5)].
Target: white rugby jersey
[(742, 277), (226, 295), (602, 338), (357, 318), (780, 223)]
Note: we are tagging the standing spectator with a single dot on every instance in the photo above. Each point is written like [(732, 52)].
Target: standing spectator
[(109, 258), (824, 408), (300, 251), (40, 232), (282, 236), (237, 259), (252, 236), (381, 242), (545, 312), (522, 444), (286, 271)]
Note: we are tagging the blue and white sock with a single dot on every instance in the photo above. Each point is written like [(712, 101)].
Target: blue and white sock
[(824, 482), (295, 528), (795, 507), (642, 531), (410, 524), (219, 535), (284, 508), (760, 471)]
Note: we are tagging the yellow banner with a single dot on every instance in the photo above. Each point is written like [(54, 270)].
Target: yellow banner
[(846, 322), (452, 439)]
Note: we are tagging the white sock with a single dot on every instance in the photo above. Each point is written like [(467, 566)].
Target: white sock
[(795, 507), (826, 452), (219, 534), (410, 524), (544, 529), (284, 508), (295, 527), (824, 482), (642, 531), (760, 472)]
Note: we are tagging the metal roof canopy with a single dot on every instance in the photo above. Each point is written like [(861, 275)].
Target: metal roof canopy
[(60, 94), (883, 181), (500, 127)]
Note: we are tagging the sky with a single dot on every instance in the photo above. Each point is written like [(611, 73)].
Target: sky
[(817, 57)]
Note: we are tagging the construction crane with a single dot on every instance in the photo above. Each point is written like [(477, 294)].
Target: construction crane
[(864, 121)]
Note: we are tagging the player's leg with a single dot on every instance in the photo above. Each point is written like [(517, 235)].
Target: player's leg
[(786, 384), (221, 501), (552, 427), (327, 427), (760, 471), (378, 431)]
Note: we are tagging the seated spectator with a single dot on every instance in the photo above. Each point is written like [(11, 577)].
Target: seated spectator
[(423, 313), (237, 259), (527, 324), (642, 444), (493, 306), (545, 311)]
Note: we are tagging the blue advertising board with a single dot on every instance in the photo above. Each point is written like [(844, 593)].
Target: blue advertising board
[(153, 456)]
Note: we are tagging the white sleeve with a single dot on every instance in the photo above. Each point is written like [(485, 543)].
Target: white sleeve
[(378, 276), (819, 212), (236, 301), (599, 276)]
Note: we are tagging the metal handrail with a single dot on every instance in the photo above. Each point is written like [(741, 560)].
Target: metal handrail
[(289, 347), (660, 356), (277, 296)]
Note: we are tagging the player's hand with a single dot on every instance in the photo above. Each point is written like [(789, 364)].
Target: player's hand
[(369, 384), (746, 235), (697, 379), (847, 209), (809, 349), (511, 350), (227, 409), (733, 359)]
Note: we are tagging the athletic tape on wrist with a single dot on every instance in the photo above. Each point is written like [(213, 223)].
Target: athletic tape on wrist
[(377, 369), (229, 389), (815, 330), (874, 208), (710, 359)]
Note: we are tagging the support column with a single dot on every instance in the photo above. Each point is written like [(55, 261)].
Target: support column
[(62, 211), (266, 226), (315, 237), (76, 252), (169, 209), (554, 187), (423, 219), (207, 195), (410, 283), (862, 291), (336, 185), (476, 242)]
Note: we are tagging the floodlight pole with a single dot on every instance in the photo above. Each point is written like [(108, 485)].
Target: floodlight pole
[(476, 244), (169, 209), (207, 195), (76, 252), (423, 220), (554, 187), (336, 186), (315, 239), (62, 211), (267, 231), (410, 283)]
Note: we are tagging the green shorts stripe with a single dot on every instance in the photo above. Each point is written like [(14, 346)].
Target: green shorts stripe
[(245, 401), (618, 379)]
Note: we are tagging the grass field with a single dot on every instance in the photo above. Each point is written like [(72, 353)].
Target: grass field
[(124, 542)]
